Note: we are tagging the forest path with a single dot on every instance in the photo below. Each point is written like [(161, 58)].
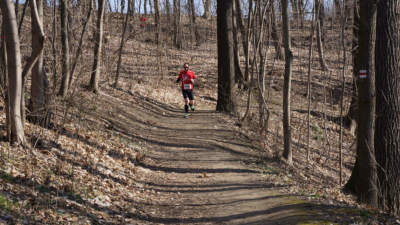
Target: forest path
[(204, 170)]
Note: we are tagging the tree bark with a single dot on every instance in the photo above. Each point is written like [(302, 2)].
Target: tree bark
[(207, 9), (238, 71), (287, 152), (226, 67), (387, 131), (177, 24), (121, 46), (168, 10), (275, 35), (363, 178), (94, 78), (193, 20), (243, 34), (65, 49), (319, 35), (351, 117), (79, 50), (145, 7), (40, 83), (157, 20), (14, 68)]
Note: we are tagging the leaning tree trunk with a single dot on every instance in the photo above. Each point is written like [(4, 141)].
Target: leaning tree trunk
[(226, 66), (40, 83), (81, 39), (121, 46), (320, 47), (387, 131), (94, 78), (14, 68), (65, 49), (287, 136), (243, 34), (363, 178)]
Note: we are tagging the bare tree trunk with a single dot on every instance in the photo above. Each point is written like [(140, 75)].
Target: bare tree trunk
[(238, 71), (65, 49), (193, 20), (387, 132), (157, 20), (363, 178), (40, 83), (245, 42), (207, 9), (4, 79), (287, 152), (275, 35), (145, 7), (121, 46), (94, 78), (122, 6), (168, 10), (53, 45), (247, 49), (226, 68), (310, 56), (150, 7), (23, 16), (319, 36), (14, 68), (177, 24), (133, 7), (351, 117), (79, 50)]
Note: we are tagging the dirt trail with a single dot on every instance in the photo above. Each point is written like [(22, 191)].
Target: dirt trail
[(199, 167)]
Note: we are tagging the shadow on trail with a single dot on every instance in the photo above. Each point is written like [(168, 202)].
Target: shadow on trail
[(194, 170), (272, 213)]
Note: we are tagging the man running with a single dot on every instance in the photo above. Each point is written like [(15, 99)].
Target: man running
[(186, 77)]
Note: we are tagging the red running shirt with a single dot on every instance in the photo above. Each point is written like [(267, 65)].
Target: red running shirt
[(186, 79)]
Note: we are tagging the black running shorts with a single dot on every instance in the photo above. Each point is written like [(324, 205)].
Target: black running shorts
[(188, 94)]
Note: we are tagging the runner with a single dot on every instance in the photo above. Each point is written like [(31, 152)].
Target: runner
[(186, 77)]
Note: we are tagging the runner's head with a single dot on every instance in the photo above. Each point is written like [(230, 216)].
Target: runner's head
[(186, 66)]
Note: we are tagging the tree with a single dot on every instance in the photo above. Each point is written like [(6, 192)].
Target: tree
[(226, 67), (387, 130), (363, 178), (207, 9), (274, 34), (157, 20), (320, 18), (94, 78), (287, 153), (193, 27), (350, 118), (40, 83), (14, 69), (121, 46), (177, 24), (65, 48)]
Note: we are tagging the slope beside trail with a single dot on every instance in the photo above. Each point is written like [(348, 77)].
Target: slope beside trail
[(203, 170)]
